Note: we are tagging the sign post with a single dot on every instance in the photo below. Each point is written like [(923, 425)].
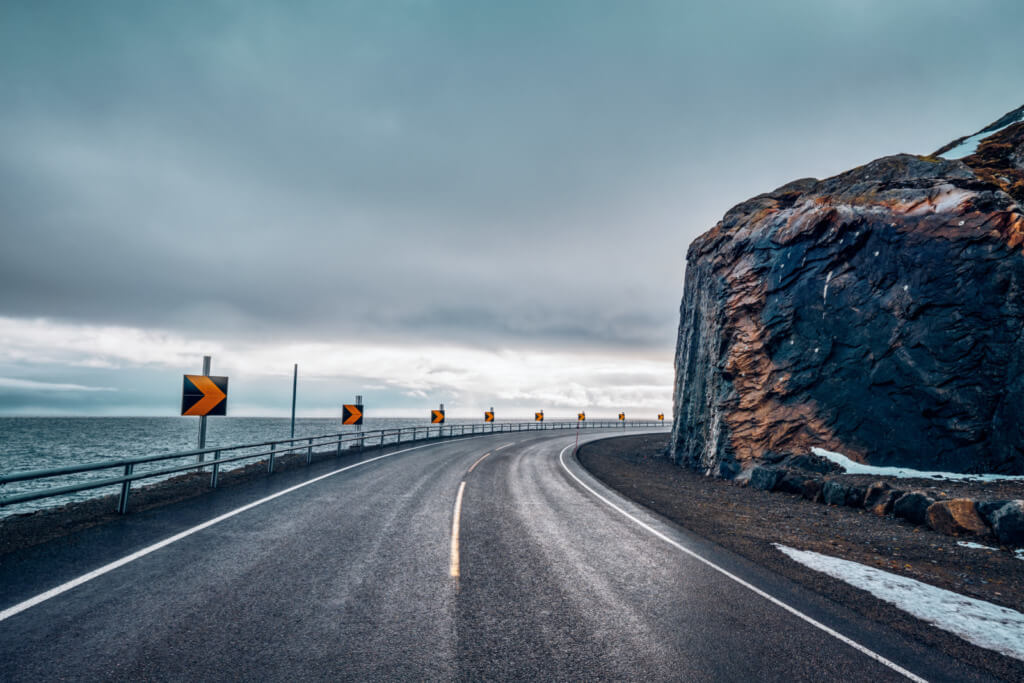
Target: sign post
[(437, 418), (352, 414), (203, 395)]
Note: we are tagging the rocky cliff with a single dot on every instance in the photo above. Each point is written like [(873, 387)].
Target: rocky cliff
[(879, 314)]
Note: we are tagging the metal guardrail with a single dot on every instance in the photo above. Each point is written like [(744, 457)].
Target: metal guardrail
[(271, 451)]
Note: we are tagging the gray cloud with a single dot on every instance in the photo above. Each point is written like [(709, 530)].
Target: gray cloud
[(522, 173)]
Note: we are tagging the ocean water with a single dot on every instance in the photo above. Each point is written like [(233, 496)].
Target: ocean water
[(34, 443)]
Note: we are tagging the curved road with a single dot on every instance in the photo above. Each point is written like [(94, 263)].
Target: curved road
[(372, 571)]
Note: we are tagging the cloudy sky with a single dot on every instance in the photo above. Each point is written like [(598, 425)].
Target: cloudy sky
[(475, 203)]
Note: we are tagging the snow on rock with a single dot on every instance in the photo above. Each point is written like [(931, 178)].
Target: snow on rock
[(978, 622), (969, 145), (854, 467)]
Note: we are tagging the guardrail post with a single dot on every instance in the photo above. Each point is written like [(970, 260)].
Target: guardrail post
[(270, 464), (398, 442), (122, 502), (339, 446), (309, 452), (216, 470)]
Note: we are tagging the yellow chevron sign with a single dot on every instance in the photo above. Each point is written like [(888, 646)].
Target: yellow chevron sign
[(581, 417), (622, 416), (351, 414), (436, 417), (488, 416), (202, 395), (661, 416), (538, 416)]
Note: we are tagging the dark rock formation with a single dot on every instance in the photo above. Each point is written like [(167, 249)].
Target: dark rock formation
[(1008, 523), (878, 313), (913, 507)]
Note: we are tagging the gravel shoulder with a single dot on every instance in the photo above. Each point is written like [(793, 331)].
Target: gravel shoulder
[(749, 521)]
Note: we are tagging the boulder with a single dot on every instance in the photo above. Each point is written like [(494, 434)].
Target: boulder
[(883, 504), (878, 313), (812, 463), (834, 493), (986, 508), (811, 489), (957, 517), (913, 507), (875, 491), (765, 478), (791, 482), (728, 470), (854, 496), (1008, 523)]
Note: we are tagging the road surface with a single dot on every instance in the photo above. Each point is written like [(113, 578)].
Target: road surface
[(492, 557)]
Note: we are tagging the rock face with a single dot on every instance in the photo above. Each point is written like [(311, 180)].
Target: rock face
[(878, 313)]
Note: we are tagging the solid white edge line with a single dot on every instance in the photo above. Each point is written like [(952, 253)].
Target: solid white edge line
[(772, 599), (505, 446), (84, 578)]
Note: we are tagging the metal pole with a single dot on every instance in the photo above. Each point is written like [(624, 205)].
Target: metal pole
[(216, 470), (359, 402), (295, 389), (122, 503), (202, 420)]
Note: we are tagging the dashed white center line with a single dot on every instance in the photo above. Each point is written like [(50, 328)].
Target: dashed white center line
[(454, 568)]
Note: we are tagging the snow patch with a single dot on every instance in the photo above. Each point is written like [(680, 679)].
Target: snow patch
[(976, 546), (978, 622), (853, 467)]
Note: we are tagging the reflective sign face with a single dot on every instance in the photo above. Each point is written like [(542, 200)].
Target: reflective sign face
[(351, 414), (202, 395), (661, 416), (581, 417), (488, 416), (622, 416), (436, 417), (539, 417)]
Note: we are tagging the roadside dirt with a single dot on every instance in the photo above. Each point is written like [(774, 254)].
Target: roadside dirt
[(748, 521)]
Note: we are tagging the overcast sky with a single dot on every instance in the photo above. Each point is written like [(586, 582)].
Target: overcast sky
[(479, 203)]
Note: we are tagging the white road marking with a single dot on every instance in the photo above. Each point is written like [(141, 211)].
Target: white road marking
[(454, 568), (84, 578), (770, 598), (479, 460), (506, 446)]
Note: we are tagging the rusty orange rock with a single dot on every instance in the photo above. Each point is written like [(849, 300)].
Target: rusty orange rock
[(957, 517)]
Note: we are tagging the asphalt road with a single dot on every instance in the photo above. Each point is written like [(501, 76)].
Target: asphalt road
[(356, 576)]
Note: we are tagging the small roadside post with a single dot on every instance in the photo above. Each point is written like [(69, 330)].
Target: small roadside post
[(295, 389)]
